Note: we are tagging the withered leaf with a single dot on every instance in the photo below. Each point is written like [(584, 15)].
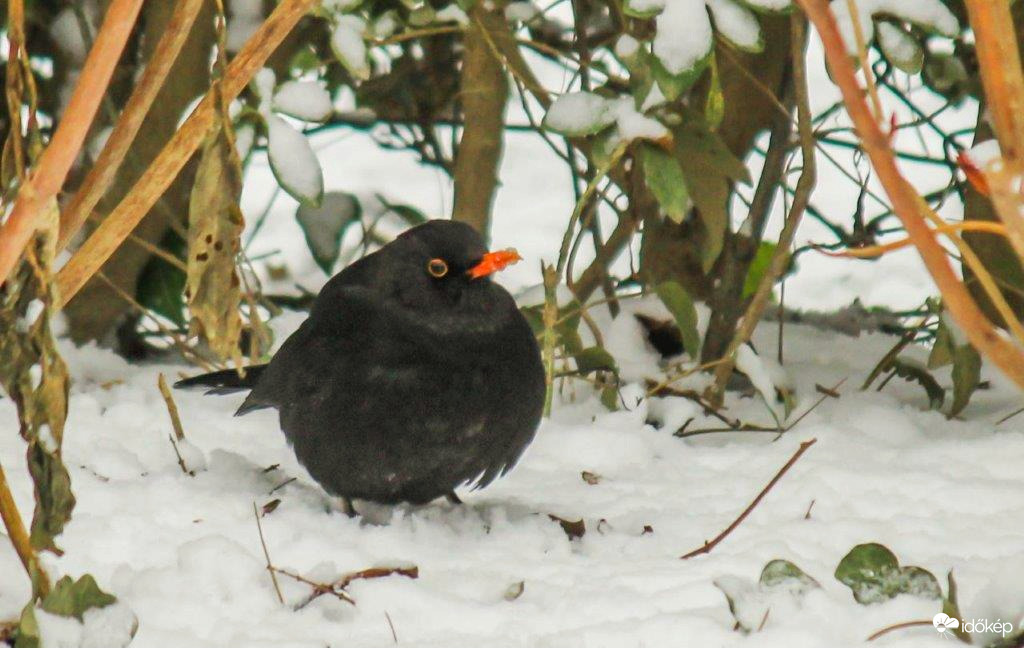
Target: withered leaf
[(215, 226), (572, 529), (35, 377), (591, 478)]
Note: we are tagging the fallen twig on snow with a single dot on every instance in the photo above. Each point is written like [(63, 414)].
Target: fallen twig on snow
[(266, 554), (709, 545)]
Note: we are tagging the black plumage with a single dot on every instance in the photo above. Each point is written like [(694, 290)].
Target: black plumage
[(413, 374)]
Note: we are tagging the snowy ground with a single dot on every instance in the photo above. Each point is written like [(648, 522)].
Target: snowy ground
[(184, 553)]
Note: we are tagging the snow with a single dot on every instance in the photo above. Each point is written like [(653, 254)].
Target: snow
[(452, 13), (521, 11), (899, 46), (579, 113), (183, 553), (684, 35), (930, 15), (736, 23), (626, 46), (631, 124), (294, 163), (305, 100), (348, 45)]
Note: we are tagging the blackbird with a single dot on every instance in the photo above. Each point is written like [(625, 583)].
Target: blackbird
[(412, 375)]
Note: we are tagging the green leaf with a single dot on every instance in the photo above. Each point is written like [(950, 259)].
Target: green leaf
[(783, 572), (409, 214), (942, 348), (664, 177), (693, 138), (161, 286), (577, 114), (325, 225), (759, 266), (610, 398), (874, 575), (966, 377), (678, 302), (594, 358), (674, 85), (641, 8), (27, 633), (714, 105), (293, 162), (72, 598)]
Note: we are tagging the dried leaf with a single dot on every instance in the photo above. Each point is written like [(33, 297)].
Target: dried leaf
[(215, 227), (34, 375), (572, 529), (514, 591), (591, 478)]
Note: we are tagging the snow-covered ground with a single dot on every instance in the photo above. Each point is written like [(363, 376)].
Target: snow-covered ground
[(184, 552)]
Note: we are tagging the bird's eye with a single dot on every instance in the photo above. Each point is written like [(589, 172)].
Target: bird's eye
[(437, 268)]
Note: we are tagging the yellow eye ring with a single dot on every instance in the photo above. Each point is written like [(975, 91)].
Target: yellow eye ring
[(437, 268)]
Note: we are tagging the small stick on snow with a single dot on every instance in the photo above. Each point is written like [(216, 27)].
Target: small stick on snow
[(338, 587), (266, 554), (900, 626), (179, 432), (172, 408), (709, 545), (394, 635)]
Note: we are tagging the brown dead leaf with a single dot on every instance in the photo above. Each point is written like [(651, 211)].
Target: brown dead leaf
[(572, 529), (591, 478)]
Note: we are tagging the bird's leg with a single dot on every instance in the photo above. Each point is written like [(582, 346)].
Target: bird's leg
[(344, 504), (453, 498)]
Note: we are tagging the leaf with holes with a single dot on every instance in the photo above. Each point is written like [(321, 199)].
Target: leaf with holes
[(215, 224)]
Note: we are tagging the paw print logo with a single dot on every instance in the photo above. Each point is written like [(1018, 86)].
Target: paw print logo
[(944, 623)]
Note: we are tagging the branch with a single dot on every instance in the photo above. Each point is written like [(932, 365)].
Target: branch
[(907, 204), (165, 168), (104, 169), (56, 160), (780, 258), (708, 546)]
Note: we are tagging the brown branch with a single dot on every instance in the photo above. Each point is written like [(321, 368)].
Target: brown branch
[(337, 588), (19, 538), (709, 545), (165, 168), (47, 178), (104, 169), (999, 63), (801, 197), (907, 203), (899, 626), (266, 554), (483, 94)]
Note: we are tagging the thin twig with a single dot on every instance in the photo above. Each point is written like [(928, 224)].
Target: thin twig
[(266, 554), (172, 407), (338, 587), (709, 545), (900, 626)]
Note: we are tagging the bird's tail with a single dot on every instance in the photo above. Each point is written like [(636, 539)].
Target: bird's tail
[(224, 382)]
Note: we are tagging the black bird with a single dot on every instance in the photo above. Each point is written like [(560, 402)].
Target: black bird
[(413, 374)]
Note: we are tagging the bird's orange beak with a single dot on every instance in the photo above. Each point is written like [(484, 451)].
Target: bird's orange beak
[(493, 262)]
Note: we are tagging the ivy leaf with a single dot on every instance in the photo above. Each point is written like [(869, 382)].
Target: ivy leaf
[(324, 225), (664, 177), (874, 575), (73, 598), (780, 572), (679, 303)]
